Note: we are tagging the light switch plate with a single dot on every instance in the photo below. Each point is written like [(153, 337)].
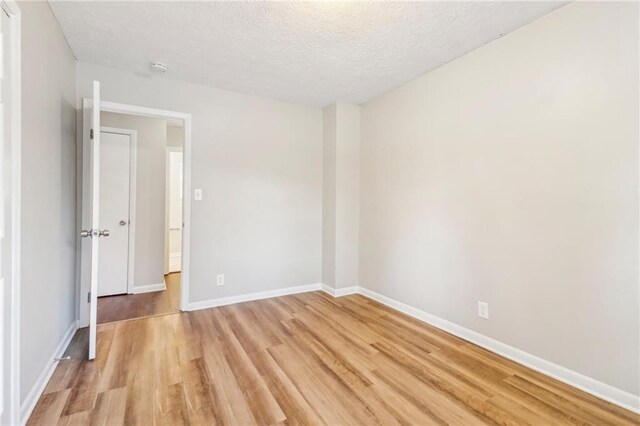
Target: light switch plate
[(197, 194)]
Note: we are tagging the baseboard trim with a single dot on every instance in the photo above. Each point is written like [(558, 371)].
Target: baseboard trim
[(594, 387), (212, 303), (149, 288), (339, 292), (36, 391)]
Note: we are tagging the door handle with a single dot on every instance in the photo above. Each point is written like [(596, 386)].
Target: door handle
[(103, 233), (122, 222), (85, 233)]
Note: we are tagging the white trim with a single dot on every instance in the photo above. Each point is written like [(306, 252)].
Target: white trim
[(339, 292), (36, 391), (12, 411), (106, 106), (149, 288), (212, 303), (594, 387), (186, 215), (133, 176)]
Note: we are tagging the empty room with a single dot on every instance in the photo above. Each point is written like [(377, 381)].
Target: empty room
[(319, 212)]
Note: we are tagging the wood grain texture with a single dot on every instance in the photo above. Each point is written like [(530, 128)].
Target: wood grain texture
[(302, 359), (129, 306)]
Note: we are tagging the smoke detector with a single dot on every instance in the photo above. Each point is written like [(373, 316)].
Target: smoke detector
[(158, 67)]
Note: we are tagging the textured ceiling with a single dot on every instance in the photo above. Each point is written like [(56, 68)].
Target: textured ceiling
[(311, 53)]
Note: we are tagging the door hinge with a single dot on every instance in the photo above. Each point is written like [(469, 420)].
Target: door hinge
[(89, 297), (91, 134)]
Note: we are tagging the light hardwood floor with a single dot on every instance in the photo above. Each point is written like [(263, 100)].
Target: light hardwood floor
[(129, 306), (303, 359)]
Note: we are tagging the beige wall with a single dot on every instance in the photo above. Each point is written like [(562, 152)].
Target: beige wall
[(347, 194), (510, 176), (175, 136), (259, 164), (329, 195), (341, 199), (150, 194), (49, 232)]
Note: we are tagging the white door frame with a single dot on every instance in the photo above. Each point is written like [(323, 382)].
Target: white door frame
[(11, 412), (133, 168), (105, 106), (167, 225)]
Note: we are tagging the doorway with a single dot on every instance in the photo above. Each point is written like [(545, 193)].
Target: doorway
[(125, 152), (139, 193)]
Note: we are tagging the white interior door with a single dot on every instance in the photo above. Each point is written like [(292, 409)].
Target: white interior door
[(115, 148), (94, 234)]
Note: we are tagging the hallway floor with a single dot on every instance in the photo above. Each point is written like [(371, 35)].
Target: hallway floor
[(129, 306)]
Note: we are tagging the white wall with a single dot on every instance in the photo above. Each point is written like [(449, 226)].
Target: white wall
[(510, 176), (259, 164), (341, 198), (49, 232), (150, 194)]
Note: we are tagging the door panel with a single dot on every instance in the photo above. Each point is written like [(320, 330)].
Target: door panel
[(114, 212), (94, 234)]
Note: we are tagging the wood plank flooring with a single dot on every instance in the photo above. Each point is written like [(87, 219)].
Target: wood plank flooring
[(302, 359), (129, 306)]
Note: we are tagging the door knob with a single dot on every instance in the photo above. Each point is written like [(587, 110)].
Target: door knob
[(85, 233), (104, 233), (123, 222)]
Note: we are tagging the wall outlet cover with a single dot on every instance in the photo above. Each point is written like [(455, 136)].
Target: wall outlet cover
[(220, 279)]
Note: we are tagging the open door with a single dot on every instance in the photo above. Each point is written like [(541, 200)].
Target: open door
[(95, 233)]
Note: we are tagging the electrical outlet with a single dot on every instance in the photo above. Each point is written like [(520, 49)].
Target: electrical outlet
[(220, 279), (483, 310)]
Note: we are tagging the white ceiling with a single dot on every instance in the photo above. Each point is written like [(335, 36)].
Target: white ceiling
[(311, 53)]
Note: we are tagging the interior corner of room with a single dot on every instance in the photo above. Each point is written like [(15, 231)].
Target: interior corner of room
[(410, 212)]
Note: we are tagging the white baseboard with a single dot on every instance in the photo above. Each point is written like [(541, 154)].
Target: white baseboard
[(594, 387), (36, 391), (339, 292), (212, 303), (149, 288)]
